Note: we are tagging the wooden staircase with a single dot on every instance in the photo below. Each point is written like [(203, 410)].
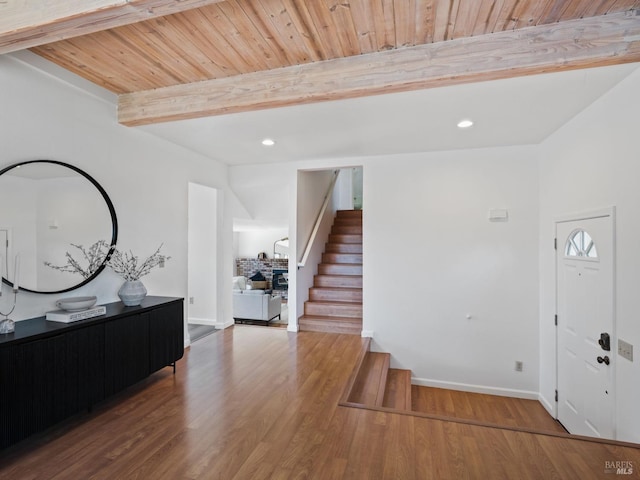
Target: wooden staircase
[(377, 385), (335, 300), (373, 385)]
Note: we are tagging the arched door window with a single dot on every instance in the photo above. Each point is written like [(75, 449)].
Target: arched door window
[(580, 244)]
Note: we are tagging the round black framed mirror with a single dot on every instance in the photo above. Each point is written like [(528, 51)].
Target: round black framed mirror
[(59, 221)]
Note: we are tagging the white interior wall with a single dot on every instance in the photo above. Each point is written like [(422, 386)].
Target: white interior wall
[(21, 222), (203, 254), (590, 163), (146, 178), (81, 217), (252, 242), (432, 259), (343, 191)]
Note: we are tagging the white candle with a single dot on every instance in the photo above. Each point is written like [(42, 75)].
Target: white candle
[(16, 274)]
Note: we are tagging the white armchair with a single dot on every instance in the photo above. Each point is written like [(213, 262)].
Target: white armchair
[(255, 305)]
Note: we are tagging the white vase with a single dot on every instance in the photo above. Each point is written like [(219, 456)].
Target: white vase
[(132, 293)]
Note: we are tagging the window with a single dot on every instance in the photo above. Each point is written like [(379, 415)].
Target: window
[(580, 244)]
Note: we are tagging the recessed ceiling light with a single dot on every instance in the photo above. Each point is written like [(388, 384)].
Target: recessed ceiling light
[(267, 142), (465, 123)]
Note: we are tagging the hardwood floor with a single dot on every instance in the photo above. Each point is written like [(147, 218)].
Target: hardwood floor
[(262, 403), (506, 411)]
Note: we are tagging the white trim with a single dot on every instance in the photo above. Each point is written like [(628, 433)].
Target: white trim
[(585, 215), (367, 334), (202, 321), (548, 406), (466, 387), (210, 322)]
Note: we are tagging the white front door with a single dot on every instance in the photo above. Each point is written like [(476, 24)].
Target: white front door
[(585, 321)]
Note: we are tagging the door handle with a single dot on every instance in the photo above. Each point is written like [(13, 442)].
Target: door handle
[(604, 360), (605, 342)]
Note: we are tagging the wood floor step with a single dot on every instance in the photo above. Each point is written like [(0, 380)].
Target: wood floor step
[(397, 393), (346, 229), (340, 269), (371, 380), (347, 221), (320, 294), (345, 238), (343, 248), (342, 258), (349, 213), (492, 409), (319, 323), (347, 281), (333, 309)]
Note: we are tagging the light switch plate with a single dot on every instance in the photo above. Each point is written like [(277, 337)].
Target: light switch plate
[(625, 350)]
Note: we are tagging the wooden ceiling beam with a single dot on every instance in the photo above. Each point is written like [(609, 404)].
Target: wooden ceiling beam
[(604, 40), (26, 24)]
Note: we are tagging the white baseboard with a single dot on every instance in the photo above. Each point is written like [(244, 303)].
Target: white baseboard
[(293, 328), (202, 321), (227, 324), (211, 322), (367, 334), (467, 387)]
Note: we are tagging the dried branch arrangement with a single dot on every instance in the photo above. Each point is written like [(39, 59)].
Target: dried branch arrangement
[(128, 267), (94, 256)]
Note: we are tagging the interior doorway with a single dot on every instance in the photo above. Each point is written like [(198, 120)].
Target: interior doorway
[(204, 247), (585, 324)]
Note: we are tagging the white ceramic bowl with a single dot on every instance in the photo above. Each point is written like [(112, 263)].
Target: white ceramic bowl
[(75, 304)]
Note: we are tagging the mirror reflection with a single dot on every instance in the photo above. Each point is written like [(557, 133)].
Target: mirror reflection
[(51, 215)]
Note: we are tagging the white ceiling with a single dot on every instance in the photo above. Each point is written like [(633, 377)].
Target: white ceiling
[(516, 111)]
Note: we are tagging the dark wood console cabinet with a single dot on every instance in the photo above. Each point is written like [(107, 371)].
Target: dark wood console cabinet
[(50, 371)]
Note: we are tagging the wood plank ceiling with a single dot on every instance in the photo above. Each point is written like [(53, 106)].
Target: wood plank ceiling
[(242, 46)]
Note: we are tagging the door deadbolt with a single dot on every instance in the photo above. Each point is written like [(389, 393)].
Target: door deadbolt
[(604, 360), (605, 342)]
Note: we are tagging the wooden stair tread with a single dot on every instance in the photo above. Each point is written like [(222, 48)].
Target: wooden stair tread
[(339, 276), (397, 393), (339, 289), (343, 248), (349, 213), (347, 290), (327, 280), (345, 238), (333, 302), (342, 258), (331, 309), (337, 294), (331, 319), (333, 324), (340, 269), (371, 380)]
